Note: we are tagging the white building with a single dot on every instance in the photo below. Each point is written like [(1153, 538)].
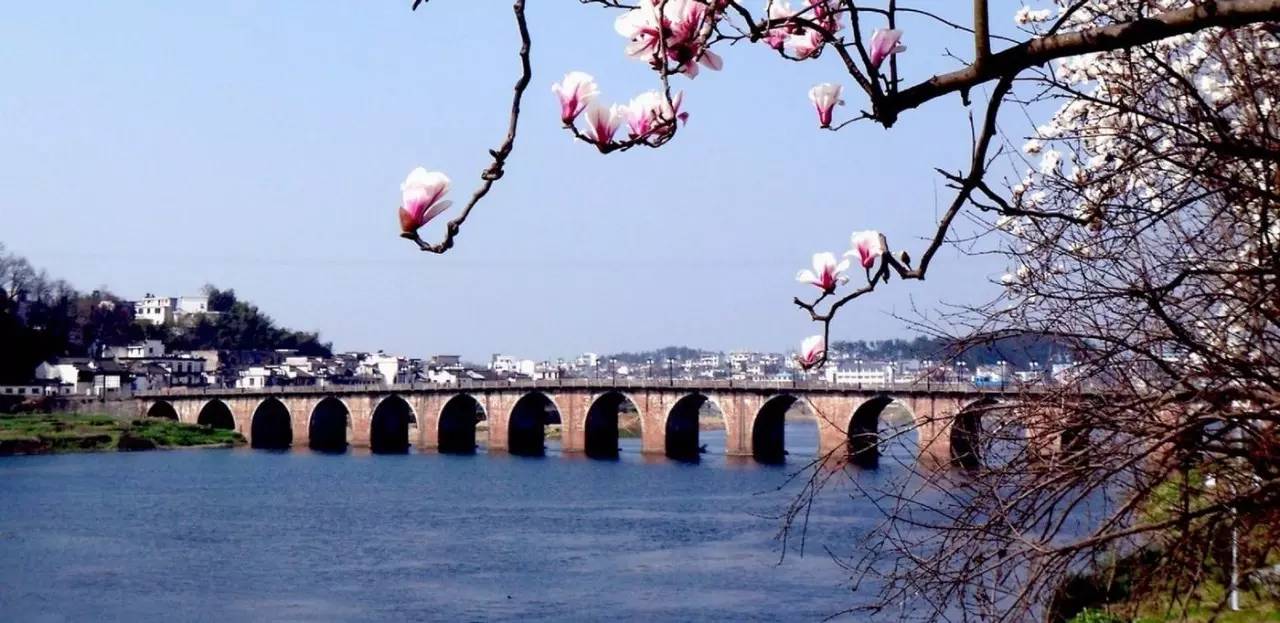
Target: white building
[(254, 377), (166, 309), (392, 370), (64, 371), (502, 363), (442, 376), (860, 375), (145, 348)]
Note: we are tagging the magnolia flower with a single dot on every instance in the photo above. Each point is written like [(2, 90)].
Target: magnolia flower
[(1026, 15), (789, 34), (805, 45), (420, 198), (780, 10), (640, 26), (826, 273), (648, 111), (884, 42), (812, 350), (602, 123), (682, 22), (576, 91), (867, 245), (825, 97)]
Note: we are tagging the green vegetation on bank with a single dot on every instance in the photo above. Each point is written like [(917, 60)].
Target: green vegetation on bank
[(1202, 607), (1133, 588), (66, 432)]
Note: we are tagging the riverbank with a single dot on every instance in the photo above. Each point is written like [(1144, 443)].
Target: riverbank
[(58, 433)]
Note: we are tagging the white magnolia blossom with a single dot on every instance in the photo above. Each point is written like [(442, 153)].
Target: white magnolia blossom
[(1127, 166), (1027, 15)]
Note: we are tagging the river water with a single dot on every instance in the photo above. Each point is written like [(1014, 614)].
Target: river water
[(222, 535)]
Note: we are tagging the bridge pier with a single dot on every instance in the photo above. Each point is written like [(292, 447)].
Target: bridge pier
[(573, 408), (739, 412)]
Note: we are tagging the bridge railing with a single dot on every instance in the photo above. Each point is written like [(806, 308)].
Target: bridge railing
[(603, 384)]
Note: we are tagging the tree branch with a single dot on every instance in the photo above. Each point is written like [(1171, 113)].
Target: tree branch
[(1038, 51), (495, 170)]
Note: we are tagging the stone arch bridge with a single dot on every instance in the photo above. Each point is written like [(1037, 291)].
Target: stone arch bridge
[(391, 418)]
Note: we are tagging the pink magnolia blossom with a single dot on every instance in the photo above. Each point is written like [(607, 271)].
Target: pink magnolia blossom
[(800, 41), (868, 246), (649, 111), (602, 123), (805, 45), (420, 198), (825, 98), (682, 21), (826, 273), (780, 10), (812, 351), (576, 91), (884, 42)]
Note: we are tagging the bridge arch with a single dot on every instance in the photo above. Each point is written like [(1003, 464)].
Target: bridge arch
[(603, 422), (271, 427), (681, 426), (768, 427), (216, 414), (329, 427), (871, 437), (981, 435), (526, 425), (390, 424), (162, 409), (456, 426)]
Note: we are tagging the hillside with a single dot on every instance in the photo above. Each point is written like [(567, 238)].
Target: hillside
[(43, 317)]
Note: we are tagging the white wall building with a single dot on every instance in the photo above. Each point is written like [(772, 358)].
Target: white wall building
[(442, 376), (145, 348), (64, 372), (166, 309), (254, 377), (391, 369), (502, 363), (860, 376)]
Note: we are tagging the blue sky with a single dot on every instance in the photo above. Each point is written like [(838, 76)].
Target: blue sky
[(154, 147)]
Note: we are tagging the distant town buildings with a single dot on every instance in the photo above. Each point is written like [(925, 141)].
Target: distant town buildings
[(120, 369)]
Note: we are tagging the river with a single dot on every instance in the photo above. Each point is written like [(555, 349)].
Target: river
[(219, 535)]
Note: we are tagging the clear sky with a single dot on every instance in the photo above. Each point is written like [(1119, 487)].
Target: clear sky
[(154, 147)]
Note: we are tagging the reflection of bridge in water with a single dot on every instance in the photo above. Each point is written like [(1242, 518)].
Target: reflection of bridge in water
[(391, 418)]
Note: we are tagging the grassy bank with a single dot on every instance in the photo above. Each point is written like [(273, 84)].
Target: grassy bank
[(1131, 589), (66, 432)]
